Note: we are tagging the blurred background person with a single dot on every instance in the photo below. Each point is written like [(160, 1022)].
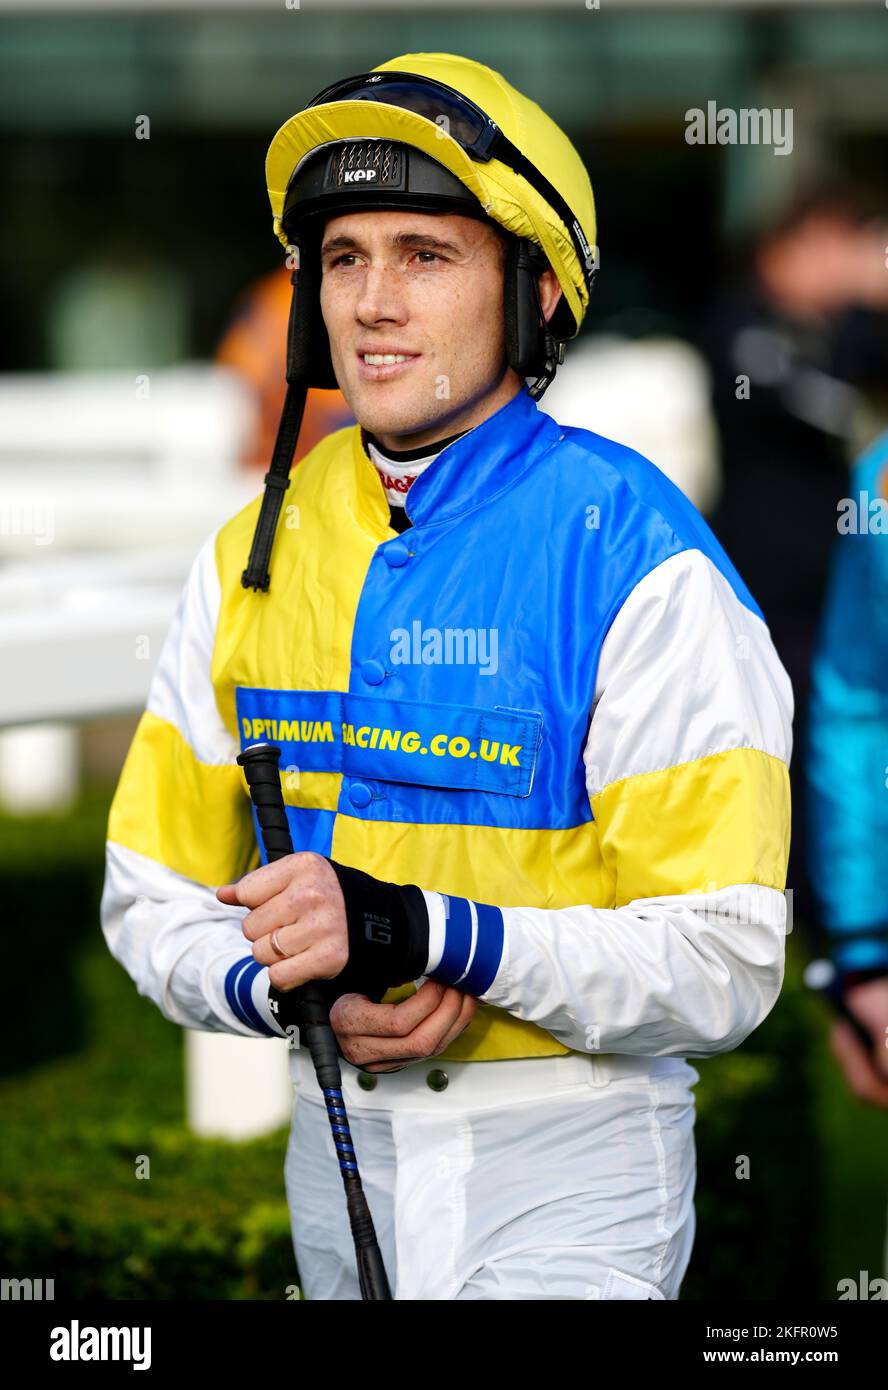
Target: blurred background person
[(254, 343), (845, 764), (793, 343)]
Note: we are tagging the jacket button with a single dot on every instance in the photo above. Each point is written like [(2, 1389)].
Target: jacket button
[(367, 1081), (373, 672), (437, 1080), (359, 795), (396, 554)]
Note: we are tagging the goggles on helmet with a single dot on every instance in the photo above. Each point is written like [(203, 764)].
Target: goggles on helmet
[(470, 127)]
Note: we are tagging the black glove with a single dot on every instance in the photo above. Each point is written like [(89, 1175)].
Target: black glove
[(388, 931), (388, 942)]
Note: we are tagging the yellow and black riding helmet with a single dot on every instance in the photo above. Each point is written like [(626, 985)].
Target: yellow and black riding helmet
[(428, 132)]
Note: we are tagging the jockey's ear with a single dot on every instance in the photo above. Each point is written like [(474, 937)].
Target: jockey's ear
[(550, 292)]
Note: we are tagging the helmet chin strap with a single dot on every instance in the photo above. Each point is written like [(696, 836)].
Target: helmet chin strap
[(552, 350), (554, 356), (277, 479)]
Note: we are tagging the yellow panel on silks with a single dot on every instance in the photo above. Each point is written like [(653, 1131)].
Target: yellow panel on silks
[(298, 636), (190, 816), (663, 834)]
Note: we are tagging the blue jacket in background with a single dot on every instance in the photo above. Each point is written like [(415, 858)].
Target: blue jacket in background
[(847, 752)]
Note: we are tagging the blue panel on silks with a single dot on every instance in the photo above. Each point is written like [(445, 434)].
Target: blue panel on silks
[(434, 745)]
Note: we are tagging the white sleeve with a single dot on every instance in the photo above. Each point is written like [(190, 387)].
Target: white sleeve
[(179, 826), (687, 773)]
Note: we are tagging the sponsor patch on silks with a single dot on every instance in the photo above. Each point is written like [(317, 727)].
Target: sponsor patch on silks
[(433, 745)]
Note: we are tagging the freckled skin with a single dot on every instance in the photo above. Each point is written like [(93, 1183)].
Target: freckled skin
[(447, 306)]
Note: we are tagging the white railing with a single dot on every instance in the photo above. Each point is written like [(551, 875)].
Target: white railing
[(109, 484)]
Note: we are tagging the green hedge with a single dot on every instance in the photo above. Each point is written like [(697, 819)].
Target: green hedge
[(51, 870), (100, 1081), (211, 1220), (761, 1236)]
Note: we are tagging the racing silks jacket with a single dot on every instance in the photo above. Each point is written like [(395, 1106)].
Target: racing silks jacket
[(846, 758), (551, 703)]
